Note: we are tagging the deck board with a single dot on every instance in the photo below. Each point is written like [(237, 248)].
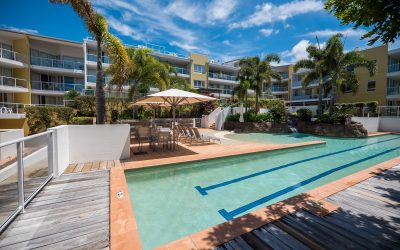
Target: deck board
[(368, 218), (72, 211)]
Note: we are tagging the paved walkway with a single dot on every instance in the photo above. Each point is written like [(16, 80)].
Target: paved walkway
[(72, 211)]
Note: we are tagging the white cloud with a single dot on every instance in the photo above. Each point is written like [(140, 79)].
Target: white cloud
[(287, 26), (266, 32), (123, 29), (221, 9), (185, 10), (297, 53), (23, 30), (185, 46), (227, 42), (269, 13), (329, 32)]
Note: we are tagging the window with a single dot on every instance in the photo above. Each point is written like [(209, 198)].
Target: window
[(199, 68), (347, 88), (371, 85), (199, 84)]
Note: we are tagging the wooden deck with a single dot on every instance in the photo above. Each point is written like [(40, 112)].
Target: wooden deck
[(91, 166), (72, 211), (368, 218)]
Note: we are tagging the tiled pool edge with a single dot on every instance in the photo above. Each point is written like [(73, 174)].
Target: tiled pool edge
[(198, 157), (312, 200), (124, 232)]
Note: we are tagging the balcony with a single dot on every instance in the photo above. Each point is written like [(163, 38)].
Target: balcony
[(222, 76), (54, 65), (93, 58), (181, 71), (109, 94), (54, 87), (393, 68), (12, 59), (393, 93), (13, 85), (278, 89), (304, 97), (92, 79), (9, 110)]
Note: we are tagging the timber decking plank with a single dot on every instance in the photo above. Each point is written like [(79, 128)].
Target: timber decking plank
[(285, 237)]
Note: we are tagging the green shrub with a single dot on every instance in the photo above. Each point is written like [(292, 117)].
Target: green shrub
[(82, 121), (233, 118), (278, 111), (341, 114), (372, 107), (264, 117), (40, 118), (304, 114), (326, 118), (250, 116)]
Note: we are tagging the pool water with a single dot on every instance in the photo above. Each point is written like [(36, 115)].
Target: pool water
[(173, 201)]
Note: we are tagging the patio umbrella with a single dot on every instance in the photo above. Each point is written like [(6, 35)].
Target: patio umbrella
[(174, 98)]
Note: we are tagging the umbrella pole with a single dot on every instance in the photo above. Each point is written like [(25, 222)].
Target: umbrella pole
[(173, 124)]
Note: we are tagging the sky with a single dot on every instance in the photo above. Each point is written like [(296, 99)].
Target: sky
[(222, 29)]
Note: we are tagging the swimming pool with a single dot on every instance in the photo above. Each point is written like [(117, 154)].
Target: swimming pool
[(173, 201)]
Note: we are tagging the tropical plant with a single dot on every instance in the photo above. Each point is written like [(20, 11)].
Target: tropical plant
[(146, 71), (258, 72), (241, 91), (383, 16), (304, 114), (316, 64), (338, 62), (98, 27)]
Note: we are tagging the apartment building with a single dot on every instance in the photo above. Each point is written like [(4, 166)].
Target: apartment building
[(38, 70)]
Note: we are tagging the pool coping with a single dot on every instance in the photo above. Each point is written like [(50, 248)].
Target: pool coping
[(240, 150)]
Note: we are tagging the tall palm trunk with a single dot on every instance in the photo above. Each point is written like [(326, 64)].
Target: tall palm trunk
[(100, 98), (320, 95), (333, 96)]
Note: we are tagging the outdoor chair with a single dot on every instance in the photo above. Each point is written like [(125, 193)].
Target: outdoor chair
[(197, 138), (143, 134), (205, 137)]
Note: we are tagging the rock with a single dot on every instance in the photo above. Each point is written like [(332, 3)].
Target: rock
[(249, 127)]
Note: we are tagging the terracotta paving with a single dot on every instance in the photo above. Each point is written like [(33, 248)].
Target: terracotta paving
[(195, 152)]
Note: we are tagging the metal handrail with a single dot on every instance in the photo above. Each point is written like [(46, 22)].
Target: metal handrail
[(22, 202), (13, 106), (93, 58), (56, 86), (7, 79), (12, 55), (222, 76), (56, 63)]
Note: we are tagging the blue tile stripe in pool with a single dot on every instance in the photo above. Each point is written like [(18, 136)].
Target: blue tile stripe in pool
[(203, 190), (230, 215)]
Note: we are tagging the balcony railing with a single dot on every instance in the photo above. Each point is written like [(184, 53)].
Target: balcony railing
[(278, 89), (304, 97), (12, 55), (393, 90), (22, 178), (92, 78), (53, 63), (183, 71), (222, 91), (13, 82), (93, 58), (11, 108), (394, 68), (107, 93), (222, 76), (55, 86)]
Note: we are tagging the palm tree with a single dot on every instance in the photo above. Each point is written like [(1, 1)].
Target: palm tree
[(316, 64), (145, 71), (97, 26), (241, 91), (258, 72), (339, 63)]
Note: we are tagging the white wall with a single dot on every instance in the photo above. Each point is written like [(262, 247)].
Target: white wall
[(382, 124), (89, 143), (370, 123), (389, 124)]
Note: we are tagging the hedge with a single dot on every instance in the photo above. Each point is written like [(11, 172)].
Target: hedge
[(40, 118), (82, 121)]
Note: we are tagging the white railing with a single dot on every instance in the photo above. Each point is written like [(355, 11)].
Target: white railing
[(208, 120), (93, 58), (381, 111), (19, 178), (11, 108), (55, 63), (222, 76), (13, 82), (55, 86), (393, 90), (221, 117), (107, 93), (12, 55)]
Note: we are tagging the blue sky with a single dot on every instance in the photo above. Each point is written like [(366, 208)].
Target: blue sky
[(222, 29)]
